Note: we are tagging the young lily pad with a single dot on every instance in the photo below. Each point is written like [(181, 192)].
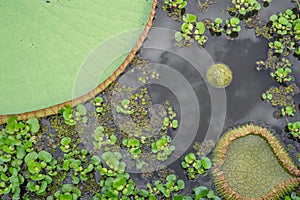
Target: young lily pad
[(219, 75)]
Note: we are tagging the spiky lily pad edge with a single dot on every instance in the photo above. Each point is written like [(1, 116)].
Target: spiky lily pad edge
[(220, 150), (55, 109)]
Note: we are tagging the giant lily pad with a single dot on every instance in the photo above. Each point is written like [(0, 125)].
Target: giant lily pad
[(250, 163), (44, 44)]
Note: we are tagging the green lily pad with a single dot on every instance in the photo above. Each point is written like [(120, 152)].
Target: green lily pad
[(250, 161), (44, 44), (219, 75)]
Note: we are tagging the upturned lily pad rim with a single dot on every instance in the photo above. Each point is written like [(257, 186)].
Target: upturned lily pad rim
[(222, 146), (73, 102)]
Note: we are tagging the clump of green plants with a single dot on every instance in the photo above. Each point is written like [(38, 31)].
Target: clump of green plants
[(16, 141), (273, 62), (65, 144), (294, 128), (67, 192), (78, 164), (216, 26), (162, 147), (288, 110), (133, 146), (103, 138), (202, 192), (282, 75), (165, 188), (121, 184), (98, 103), (125, 107), (281, 96), (194, 166), (40, 167), (232, 26), (292, 196), (113, 161), (168, 123), (244, 7), (80, 113), (277, 47), (286, 23), (175, 8), (191, 29), (67, 113)]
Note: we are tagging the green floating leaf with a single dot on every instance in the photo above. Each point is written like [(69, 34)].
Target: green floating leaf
[(200, 192), (53, 61), (81, 109), (201, 27), (252, 149), (45, 156), (190, 18), (65, 141), (206, 163), (273, 18), (31, 156), (34, 124)]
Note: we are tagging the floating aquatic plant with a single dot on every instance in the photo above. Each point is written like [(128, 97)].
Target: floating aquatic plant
[(288, 110), (244, 7), (175, 8), (162, 148), (68, 192), (249, 162), (286, 23), (292, 196), (195, 166), (169, 185), (281, 96), (294, 128), (232, 26), (202, 192), (191, 29), (219, 75), (67, 112), (16, 143), (217, 26), (282, 75), (41, 166)]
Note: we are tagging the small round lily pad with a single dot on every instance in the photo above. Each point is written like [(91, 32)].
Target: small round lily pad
[(219, 75)]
